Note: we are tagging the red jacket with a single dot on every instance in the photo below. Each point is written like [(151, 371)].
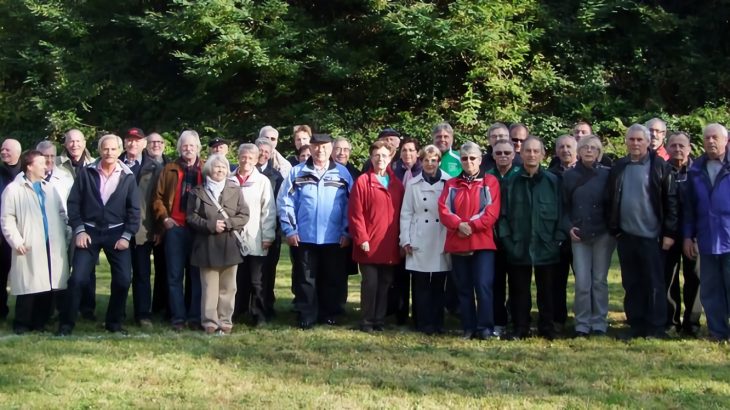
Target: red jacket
[(374, 216), (476, 202)]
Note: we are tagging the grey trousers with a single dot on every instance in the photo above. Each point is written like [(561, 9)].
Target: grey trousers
[(591, 260)]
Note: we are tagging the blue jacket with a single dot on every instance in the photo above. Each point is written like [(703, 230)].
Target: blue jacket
[(707, 209), (315, 208)]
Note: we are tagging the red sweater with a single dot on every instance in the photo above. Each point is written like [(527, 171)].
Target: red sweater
[(476, 202), (374, 217)]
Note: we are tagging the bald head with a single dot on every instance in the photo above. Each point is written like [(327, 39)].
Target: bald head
[(75, 143), (10, 151)]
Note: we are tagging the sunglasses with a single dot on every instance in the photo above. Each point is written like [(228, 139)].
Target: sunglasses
[(501, 153), (469, 159), (517, 140)]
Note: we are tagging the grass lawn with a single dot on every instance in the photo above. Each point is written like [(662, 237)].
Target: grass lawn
[(335, 367)]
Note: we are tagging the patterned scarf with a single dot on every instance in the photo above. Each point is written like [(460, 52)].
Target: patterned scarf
[(191, 178)]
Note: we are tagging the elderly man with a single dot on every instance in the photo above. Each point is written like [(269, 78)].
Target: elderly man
[(658, 130), (496, 132), (581, 129), (169, 205), (643, 214), (302, 135), (442, 135), (313, 214), (518, 133), (531, 236), (60, 179), (706, 228), (278, 161), (678, 148), (103, 212), (218, 145), (9, 169)]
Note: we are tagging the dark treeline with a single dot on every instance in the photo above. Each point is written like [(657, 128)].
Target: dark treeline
[(227, 67)]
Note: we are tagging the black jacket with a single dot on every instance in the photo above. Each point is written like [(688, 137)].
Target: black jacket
[(585, 199), (662, 195)]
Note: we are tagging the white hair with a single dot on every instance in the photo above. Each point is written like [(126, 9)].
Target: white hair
[(189, 134)]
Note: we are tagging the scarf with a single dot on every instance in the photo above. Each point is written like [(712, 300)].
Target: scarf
[(216, 188), (432, 179), (191, 177)]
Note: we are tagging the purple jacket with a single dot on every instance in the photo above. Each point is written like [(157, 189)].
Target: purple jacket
[(707, 209)]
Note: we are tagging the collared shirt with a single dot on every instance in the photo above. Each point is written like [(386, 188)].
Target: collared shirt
[(108, 184)]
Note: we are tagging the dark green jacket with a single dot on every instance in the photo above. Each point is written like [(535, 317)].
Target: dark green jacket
[(530, 226)]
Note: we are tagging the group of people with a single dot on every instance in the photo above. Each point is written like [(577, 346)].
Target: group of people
[(458, 230)]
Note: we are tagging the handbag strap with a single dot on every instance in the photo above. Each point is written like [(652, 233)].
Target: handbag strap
[(222, 212)]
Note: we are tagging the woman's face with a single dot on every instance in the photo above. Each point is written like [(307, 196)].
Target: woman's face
[(430, 163), (218, 172), (247, 161), (380, 159), (470, 162), (408, 154)]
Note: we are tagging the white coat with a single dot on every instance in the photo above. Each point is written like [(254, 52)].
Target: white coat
[(420, 226), (259, 197), (61, 180), (22, 224)]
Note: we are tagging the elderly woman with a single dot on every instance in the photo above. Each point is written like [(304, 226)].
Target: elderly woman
[(34, 224), (216, 211), (584, 193), (375, 203), (422, 238), (259, 233), (468, 208)]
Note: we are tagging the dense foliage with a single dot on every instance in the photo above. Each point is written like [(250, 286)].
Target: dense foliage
[(227, 67)]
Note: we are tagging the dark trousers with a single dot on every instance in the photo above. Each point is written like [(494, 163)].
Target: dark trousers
[(715, 293), (84, 262), (250, 293), (32, 311), (642, 276), (474, 275), (376, 282), (315, 280), (520, 299), (5, 254), (674, 260), (271, 260), (399, 294), (500, 289), (160, 289), (87, 305), (560, 284), (141, 281), (428, 301), (452, 297), (350, 269)]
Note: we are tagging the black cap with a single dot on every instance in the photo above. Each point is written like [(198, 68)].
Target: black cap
[(216, 142), (388, 132), (320, 139), (134, 133)]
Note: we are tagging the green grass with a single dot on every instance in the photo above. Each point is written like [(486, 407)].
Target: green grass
[(282, 367)]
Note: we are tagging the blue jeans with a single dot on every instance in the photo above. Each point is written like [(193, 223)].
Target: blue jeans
[(715, 291), (178, 245), (141, 285), (474, 274), (84, 263)]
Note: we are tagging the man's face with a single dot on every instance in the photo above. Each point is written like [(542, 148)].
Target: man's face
[(341, 152), (581, 130), (134, 146), (532, 154), (498, 134), (392, 141), (219, 149), (49, 155), (503, 154), (678, 148), (75, 144), (10, 151), (443, 140), (272, 136), (321, 152), (109, 152), (637, 145), (657, 131), (264, 154), (714, 142), (188, 149), (518, 136), (247, 160), (155, 145), (567, 150), (301, 138)]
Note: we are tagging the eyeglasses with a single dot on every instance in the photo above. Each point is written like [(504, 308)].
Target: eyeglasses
[(156, 142), (340, 149), (464, 159), (500, 136), (590, 148), (501, 153), (430, 161), (517, 140)]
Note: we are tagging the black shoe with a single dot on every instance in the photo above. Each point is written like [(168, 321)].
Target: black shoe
[(580, 335), (598, 333), (20, 330), (331, 322), (366, 328), (378, 328), (485, 334), (548, 335), (116, 329), (660, 335), (194, 326), (303, 324), (467, 335), (64, 331)]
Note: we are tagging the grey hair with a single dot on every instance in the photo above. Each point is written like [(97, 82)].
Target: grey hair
[(656, 119), (120, 143), (342, 139), (469, 148), (44, 145), (534, 138), (638, 128), (189, 134), (67, 134), (562, 137), (497, 126), (592, 138), (264, 141), (212, 160), (248, 147), (504, 142), (443, 126), (266, 129), (719, 126), (429, 150)]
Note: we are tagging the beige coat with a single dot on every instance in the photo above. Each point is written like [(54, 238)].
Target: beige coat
[(259, 197), (22, 224)]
